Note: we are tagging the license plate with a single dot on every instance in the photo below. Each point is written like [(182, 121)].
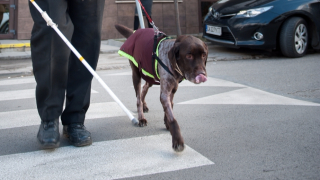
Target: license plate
[(215, 30)]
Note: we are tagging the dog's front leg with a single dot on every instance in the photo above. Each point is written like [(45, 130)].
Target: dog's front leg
[(166, 97)]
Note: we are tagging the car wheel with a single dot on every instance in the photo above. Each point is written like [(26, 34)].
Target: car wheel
[(294, 37)]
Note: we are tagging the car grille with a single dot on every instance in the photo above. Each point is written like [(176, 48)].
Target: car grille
[(226, 35), (223, 17)]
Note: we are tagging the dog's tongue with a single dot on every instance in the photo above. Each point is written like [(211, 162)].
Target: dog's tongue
[(201, 78)]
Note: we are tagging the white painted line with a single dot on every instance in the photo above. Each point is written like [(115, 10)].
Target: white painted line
[(212, 82), (30, 117), (249, 96), (128, 73), (21, 94), (116, 159), (17, 81)]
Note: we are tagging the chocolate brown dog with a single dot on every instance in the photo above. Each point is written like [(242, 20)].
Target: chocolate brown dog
[(185, 57)]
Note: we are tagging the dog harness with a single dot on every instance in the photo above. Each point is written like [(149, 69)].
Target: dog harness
[(139, 49)]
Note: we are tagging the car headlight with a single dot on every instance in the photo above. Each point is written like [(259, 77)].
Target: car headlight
[(252, 12), (210, 9)]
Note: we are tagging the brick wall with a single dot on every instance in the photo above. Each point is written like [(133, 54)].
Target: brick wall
[(25, 22), (123, 13)]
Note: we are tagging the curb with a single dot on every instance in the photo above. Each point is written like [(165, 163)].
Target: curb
[(17, 51), (18, 45), (27, 54)]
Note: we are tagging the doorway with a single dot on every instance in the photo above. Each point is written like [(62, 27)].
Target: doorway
[(7, 19)]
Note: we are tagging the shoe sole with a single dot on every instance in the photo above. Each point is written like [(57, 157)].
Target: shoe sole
[(85, 143), (49, 145)]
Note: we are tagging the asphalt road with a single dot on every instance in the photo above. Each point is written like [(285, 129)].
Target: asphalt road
[(252, 119)]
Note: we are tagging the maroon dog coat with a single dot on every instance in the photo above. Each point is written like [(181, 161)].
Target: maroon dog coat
[(138, 48)]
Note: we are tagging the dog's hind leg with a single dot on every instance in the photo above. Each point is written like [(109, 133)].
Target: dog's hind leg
[(136, 79), (143, 96)]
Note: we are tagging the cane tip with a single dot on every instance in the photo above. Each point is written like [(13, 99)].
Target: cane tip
[(134, 121)]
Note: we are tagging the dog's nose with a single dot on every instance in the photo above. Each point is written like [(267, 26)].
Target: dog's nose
[(201, 78), (201, 71)]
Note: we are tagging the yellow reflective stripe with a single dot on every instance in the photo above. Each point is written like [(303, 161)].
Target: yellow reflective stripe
[(81, 58), (157, 52), (131, 58), (31, 0)]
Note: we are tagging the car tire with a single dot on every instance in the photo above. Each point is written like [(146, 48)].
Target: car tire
[(294, 37)]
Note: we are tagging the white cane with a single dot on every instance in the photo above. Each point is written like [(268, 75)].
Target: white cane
[(84, 62), (140, 14)]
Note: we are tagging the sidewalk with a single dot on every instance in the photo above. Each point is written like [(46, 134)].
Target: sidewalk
[(15, 56), (20, 49)]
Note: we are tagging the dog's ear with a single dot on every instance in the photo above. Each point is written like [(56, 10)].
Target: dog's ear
[(173, 55)]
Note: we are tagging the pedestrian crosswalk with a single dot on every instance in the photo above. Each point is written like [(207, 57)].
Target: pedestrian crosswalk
[(112, 159), (119, 157)]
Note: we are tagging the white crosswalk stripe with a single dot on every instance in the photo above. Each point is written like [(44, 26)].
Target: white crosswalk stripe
[(30, 117), (21, 94), (17, 81), (244, 96), (249, 96), (102, 160)]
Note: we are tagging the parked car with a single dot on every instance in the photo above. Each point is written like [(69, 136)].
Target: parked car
[(292, 26)]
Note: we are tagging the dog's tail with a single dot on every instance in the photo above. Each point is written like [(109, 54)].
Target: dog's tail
[(125, 31)]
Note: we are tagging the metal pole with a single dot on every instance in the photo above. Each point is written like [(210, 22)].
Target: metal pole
[(84, 62), (140, 14)]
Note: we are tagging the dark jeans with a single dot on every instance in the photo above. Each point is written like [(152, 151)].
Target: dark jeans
[(136, 23), (58, 72)]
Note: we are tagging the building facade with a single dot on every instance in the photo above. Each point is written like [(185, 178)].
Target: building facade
[(119, 12)]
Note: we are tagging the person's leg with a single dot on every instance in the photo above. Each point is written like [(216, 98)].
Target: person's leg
[(87, 17), (148, 7), (50, 64), (149, 23), (136, 23)]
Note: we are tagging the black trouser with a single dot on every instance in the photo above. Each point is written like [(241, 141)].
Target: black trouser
[(58, 72), (136, 23)]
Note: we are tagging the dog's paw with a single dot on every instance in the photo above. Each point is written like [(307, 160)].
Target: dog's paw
[(145, 109), (177, 139), (178, 145), (143, 122)]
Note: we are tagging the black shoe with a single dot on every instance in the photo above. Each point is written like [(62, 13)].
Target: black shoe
[(77, 134), (48, 135)]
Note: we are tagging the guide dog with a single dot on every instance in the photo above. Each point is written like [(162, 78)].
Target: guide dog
[(184, 57)]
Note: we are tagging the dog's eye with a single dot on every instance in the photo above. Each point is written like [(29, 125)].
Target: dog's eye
[(189, 56), (204, 55)]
